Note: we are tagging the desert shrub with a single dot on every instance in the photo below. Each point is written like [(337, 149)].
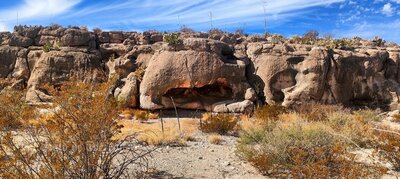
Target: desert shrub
[(240, 31), (76, 140), (300, 149), (186, 29), (54, 26), (219, 123), (139, 73), (343, 44), (14, 111), (269, 112), (47, 47), (216, 32), (97, 30), (84, 28), (317, 112), (142, 115), (386, 143), (276, 39), (215, 139), (378, 41), (312, 35), (173, 39), (368, 115)]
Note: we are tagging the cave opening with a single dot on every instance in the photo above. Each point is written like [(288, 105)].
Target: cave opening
[(280, 81), (206, 95)]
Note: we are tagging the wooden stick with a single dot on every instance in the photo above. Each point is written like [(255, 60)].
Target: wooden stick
[(162, 121), (176, 112)]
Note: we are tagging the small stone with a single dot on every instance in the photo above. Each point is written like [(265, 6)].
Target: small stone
[(200, 158), (226, 163)]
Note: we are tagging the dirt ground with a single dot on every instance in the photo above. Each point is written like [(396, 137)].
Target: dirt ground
[(200, 159)]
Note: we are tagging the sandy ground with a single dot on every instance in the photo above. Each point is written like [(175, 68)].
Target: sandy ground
[(200, 159)]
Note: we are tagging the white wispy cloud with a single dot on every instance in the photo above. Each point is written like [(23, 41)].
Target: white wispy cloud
[(387, 9), (193, 13), (36, 9), (370, 30)]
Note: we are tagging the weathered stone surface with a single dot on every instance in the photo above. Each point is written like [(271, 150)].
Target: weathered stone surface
[(76, 37), (20, 41), (129, 93), (212, 71), (8, 57), (190, 79), (55, 67)]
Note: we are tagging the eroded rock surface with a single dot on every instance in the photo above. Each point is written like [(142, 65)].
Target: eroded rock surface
[(214, 72)]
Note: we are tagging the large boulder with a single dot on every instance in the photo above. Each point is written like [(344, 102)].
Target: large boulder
[(55, 67), (191, 79), (20, 41), (77, 37), (292, 74)]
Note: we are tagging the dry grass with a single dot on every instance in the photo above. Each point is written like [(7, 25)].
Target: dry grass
[(152, 133), (215, 139), (269, 112), (140, 115)]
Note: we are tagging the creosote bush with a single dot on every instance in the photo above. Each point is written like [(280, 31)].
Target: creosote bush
[(219, 123), (75, 139)]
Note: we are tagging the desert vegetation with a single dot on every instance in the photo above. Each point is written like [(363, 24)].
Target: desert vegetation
[(318, 141), (75, 137)]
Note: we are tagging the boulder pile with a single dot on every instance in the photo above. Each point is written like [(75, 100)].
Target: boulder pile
[(217, 72)]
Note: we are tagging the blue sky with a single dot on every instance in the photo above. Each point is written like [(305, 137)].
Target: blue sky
[(341, 18)]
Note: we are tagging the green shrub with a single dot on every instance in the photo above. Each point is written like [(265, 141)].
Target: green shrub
[(173, 39), (219, 123), (47, 47)]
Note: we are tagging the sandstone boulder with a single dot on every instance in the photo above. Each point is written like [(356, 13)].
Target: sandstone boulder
[(20, 41), (129, 93), (190, 79), (77, 37), (55, 67)]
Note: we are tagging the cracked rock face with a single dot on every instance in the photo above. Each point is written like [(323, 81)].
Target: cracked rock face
[(213, 72)]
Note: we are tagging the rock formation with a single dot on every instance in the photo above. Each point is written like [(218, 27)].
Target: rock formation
[(218, 72)]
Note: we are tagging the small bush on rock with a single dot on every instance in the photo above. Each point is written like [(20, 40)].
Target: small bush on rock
[(173, 39), (47, 47)]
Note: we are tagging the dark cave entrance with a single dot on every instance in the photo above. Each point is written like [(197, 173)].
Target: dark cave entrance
[(280, 81), (202, 96)]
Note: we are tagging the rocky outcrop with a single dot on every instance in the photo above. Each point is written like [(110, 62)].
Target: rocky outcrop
[(218, 71), (203, 74), (55, 67)]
